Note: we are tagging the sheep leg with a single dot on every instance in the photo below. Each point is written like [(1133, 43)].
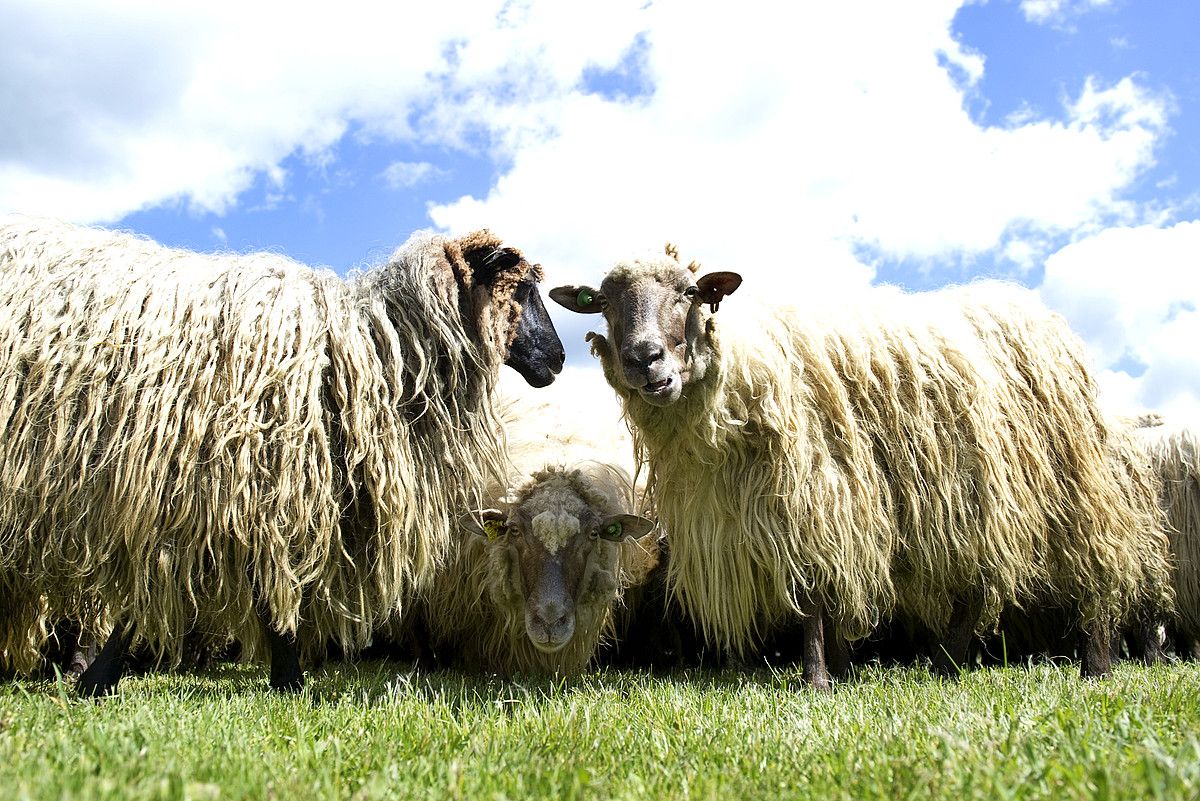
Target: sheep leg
[(83, 655), (286, 675), (815, 674), (950, 656), (1186, 646), (101, 677), (1097, 652), (1147, 644), (837, 656)]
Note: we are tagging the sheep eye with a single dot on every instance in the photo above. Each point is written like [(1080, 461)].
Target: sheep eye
[(613, 531), (690, 292)]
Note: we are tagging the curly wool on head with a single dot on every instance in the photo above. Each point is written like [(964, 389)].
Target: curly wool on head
[(184, 432), (890, 459)]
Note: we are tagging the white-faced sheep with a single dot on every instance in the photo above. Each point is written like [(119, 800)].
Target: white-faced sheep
[(1174, 453), (241, 444), (937, 456), (534, 580)]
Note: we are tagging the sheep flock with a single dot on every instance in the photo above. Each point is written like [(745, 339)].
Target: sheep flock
[(242, 448)]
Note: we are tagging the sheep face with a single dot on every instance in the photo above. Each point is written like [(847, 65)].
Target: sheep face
[(558, 558), (508, 302), (536, 352), (657, 324)]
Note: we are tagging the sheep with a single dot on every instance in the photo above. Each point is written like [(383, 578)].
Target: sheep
[(534, 579), (937, 457), (533, 584), (1174, 452), (241, 444)]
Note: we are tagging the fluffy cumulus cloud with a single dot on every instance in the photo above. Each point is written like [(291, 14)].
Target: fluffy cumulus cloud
[(114, 107), (793, 139), (1134, 295), (798, 143)]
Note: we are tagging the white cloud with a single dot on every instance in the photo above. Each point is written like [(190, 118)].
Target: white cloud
[(792, 142), (404, 174), (784, 138), (114, 107), (1043, 12), (1133, 294)]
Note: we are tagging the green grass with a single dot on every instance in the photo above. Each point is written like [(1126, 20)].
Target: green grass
[(373, 732)]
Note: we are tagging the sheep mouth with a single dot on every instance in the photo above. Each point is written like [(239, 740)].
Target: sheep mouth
[(661, 392), (549, 647)]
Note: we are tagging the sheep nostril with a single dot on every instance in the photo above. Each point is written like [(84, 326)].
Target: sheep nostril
[(641, 354)]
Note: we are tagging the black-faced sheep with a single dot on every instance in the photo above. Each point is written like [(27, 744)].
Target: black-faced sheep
[(242, 444), (914, 457)]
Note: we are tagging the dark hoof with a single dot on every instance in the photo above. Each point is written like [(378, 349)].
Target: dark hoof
[(293, 684), (94, 686), (946, 669), (1096, 673)]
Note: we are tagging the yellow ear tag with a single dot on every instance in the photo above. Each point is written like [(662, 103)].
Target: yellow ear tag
[(493, 529)]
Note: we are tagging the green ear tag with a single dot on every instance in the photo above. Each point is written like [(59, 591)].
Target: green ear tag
[(614, 530), (493, 529), (585, 297)]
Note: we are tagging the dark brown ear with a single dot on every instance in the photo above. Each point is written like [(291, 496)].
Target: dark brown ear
[(715, 286), (581, 299), (487, 523), (486, 265)]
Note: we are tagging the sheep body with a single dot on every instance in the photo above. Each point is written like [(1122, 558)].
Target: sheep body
[(896, 459), (189, 438), (1174, 453)]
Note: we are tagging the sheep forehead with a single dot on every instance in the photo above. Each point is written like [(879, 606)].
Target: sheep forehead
[(642, 275), (555, 512), (555, 528)]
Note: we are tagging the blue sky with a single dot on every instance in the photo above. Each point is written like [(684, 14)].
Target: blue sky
[(823, 147)]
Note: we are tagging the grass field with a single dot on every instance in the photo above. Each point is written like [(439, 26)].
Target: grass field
[(369, 731)]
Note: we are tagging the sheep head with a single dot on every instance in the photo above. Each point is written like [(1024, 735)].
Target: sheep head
[(502, 293), (657, 339), (561, 555)]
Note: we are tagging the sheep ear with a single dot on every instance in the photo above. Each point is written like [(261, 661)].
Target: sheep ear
[(645, 557), (624, 526), (581, 299), (715, 286), (493, 263), (487, 523)]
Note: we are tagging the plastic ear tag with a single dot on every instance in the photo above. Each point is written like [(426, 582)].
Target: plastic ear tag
[(493, 529), (613, 532), (585, 297)]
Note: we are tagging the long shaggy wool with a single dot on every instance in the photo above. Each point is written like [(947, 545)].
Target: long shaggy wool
[(1174, 453), (890, 459), (184, 433)]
